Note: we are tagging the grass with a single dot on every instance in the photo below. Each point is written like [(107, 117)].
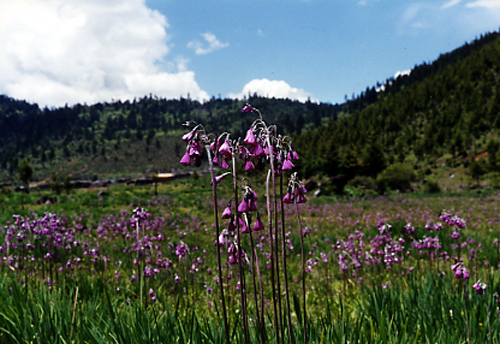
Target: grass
[(389, 305)]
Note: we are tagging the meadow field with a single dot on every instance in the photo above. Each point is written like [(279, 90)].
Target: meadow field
[(129, 266)]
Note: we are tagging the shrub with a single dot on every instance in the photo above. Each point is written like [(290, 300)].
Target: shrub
[(397, 177), (432, 186)]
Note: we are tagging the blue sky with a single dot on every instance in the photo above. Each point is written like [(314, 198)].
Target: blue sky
[(66, 51)]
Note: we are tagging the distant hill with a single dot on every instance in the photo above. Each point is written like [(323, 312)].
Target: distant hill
[(442, 114), (445, 112), (131, 138)]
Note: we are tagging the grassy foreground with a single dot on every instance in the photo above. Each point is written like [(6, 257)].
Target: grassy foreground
[(91, 288)]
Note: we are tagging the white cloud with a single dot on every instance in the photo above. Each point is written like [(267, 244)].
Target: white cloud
[(402, 73), (491, 4), (63, 51), (451, 3), (213, 44), (272, 88)]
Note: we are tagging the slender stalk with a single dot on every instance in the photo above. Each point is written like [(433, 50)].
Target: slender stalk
[(488, 319), (270, 223), (303, 268), (254, 266), (240, 256), (276, 250), (283, 256), (466, 311), (217, 233)]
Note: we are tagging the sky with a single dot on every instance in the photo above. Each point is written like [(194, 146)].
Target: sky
[(58, 52)]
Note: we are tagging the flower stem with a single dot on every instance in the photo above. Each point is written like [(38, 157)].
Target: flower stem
[(217, 232), (303, 267), (240, 256)]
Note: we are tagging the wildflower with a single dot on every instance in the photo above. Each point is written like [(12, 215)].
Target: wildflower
[(186, 159), (225, 149), (249, 166), (287, 165), (248, 108), (480, 287), (243, 207), (250, 138), (190, 135), (226, 214), (460, 271)]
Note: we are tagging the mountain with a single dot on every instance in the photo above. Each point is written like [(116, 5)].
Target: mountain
[(131, 138), (443, 114)]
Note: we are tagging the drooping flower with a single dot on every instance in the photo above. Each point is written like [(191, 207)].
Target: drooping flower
[(243, 207), (189, 136), (250, 137), (224, 164), (249, 166), (288, 198), (256, 150), (287, 165), (225, 149), (248, 108), (226, 214), (258, 225), (480, 287), (186, 160)]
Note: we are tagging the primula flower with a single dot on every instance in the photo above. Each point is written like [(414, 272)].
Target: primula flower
[(243, 207), (250, 138), (249, 166), (224, 164), (226, 214), (248, 108), (480, 287), (288, 198), (189, 136), (287, 165), (225, 149), (186, 159), (256, 150), (258, 225)]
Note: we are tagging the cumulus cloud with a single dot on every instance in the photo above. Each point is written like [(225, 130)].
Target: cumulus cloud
[(63, 51), (212, 44), (272, 88)]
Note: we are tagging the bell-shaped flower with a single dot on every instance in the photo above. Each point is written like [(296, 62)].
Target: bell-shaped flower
[(216, 160), (480, 287), (256, 150), (193, 150), (268, 151), (258, 225), (189, 136), (249, 166), (293, 155), (243, 207), (287, 165), (226, 214), (224, 164), (244, 152), (250, 137), (252, 205), (225, 149), (248, 108), (186, 160), (288, 198), (301, 198)]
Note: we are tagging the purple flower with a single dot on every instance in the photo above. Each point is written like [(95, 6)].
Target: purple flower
[(480, 287), (226, 214), (287, 165), (249, 166), (250, 138), (288, 198), (189, 136), (186, 159), (248, 108), (225, 149), (256, 150), (243, 207), (224, 164)]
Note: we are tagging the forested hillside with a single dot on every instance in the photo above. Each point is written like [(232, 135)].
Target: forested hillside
[(444, 113), (446, 118), (131, 138)]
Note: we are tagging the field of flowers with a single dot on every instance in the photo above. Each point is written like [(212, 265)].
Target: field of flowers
[(251, 259), (376, 270)]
